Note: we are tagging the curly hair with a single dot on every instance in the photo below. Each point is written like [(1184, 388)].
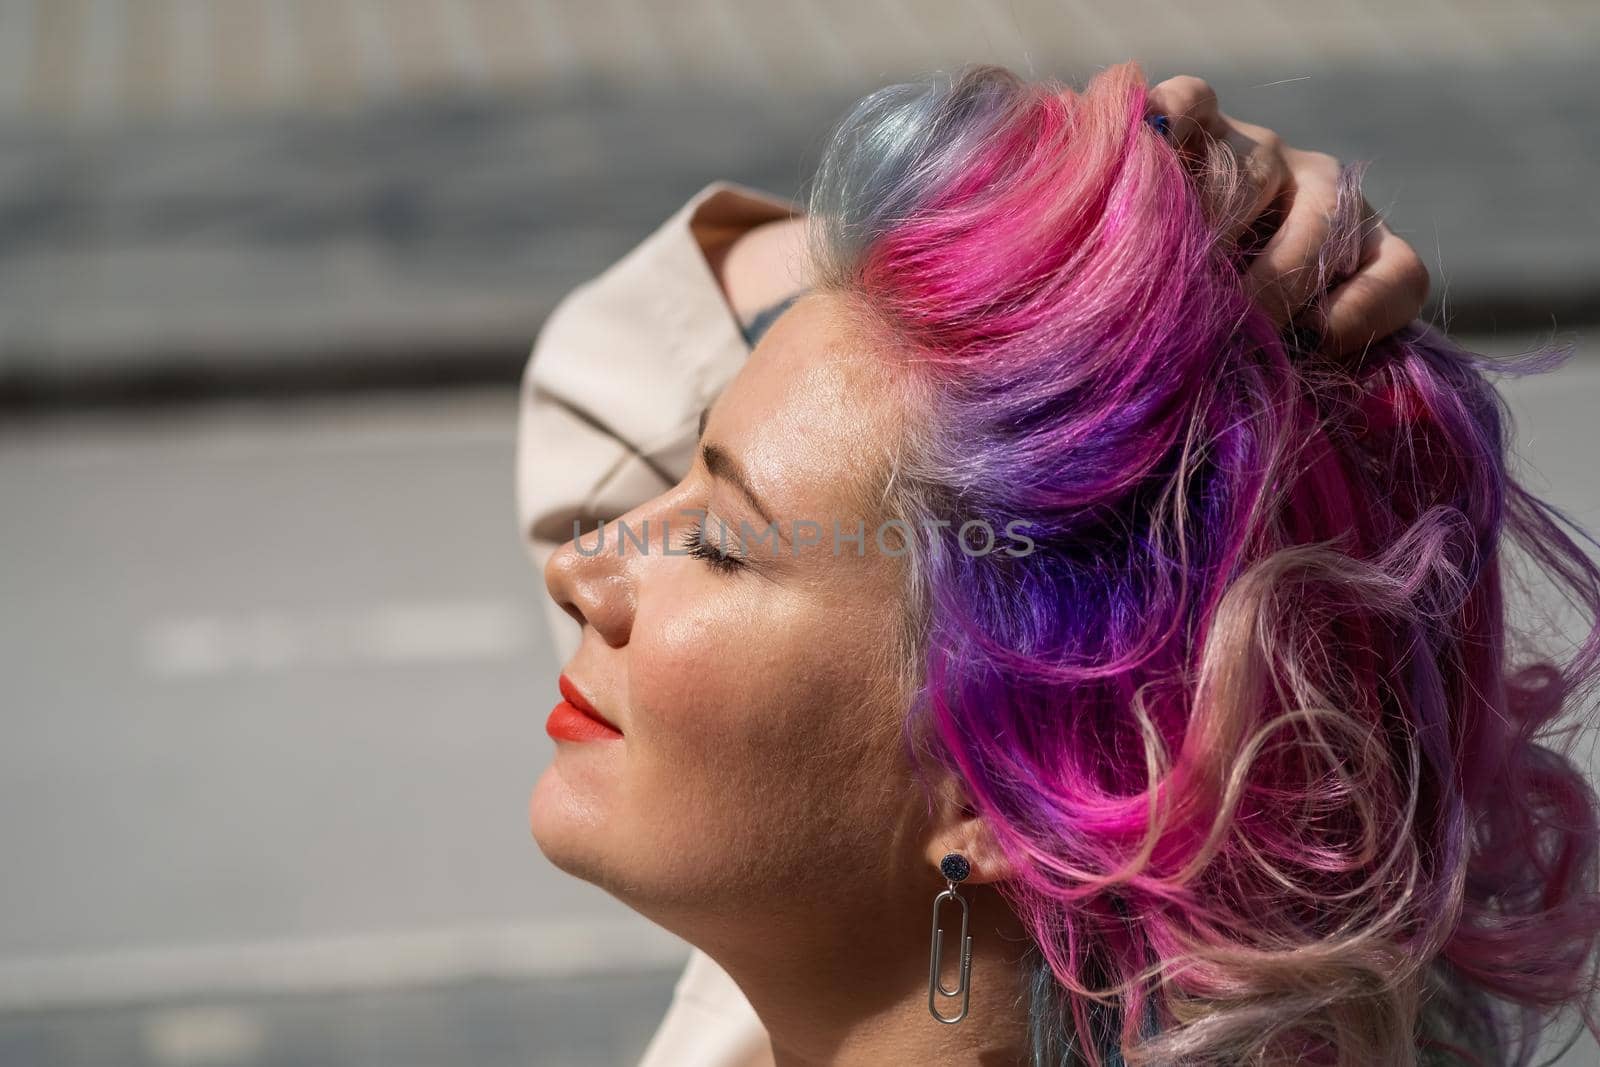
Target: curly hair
[(1278, 781)]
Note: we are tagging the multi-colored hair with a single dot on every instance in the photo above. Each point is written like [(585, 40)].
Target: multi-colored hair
[(1278, 781)]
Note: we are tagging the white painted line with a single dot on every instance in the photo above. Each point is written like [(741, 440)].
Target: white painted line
[(202, 1034), (202, 646), (553, 949)]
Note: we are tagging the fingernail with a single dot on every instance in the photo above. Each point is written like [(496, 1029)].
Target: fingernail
[(1160, 123)]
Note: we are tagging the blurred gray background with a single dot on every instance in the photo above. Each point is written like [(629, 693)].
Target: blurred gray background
[(274, 672)]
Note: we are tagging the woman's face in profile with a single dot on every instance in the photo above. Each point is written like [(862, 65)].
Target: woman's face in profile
[(760, 761)]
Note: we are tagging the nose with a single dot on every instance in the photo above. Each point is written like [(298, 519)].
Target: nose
[(593, 582)]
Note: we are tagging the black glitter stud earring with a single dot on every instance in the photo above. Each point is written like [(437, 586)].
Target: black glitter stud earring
[(955, 868)]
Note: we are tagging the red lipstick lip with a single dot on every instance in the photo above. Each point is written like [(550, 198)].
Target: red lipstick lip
[(571, 695)]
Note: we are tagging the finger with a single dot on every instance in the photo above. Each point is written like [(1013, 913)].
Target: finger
[(1385, 293), (1190, 104), (1265, 169), (1192, 109), (1283, 277)]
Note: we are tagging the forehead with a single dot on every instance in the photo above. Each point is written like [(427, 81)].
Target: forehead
[(814, 414)]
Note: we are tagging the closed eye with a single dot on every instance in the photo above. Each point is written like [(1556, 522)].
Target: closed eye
[(711, 552)]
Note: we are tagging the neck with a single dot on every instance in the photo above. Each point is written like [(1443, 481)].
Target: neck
[(856, 995)]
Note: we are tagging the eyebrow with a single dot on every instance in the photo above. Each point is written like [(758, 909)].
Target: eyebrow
[(723, 465)]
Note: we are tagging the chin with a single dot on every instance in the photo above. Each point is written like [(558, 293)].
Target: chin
[(568, 824), (580, 837)]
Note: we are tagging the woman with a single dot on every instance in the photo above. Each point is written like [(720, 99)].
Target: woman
[(1040, 567)]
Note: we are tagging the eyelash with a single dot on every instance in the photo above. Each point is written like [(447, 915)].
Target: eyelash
[(702, 549)]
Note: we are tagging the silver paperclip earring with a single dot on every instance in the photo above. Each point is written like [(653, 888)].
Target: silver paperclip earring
[(955, 868)]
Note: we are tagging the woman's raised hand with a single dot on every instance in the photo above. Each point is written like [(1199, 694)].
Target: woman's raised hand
[(1385, 292), (1390, 283)]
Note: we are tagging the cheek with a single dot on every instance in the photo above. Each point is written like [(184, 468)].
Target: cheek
[(751, 723), (710, 666)]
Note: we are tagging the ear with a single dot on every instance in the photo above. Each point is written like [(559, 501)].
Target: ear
[(958, 827)]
